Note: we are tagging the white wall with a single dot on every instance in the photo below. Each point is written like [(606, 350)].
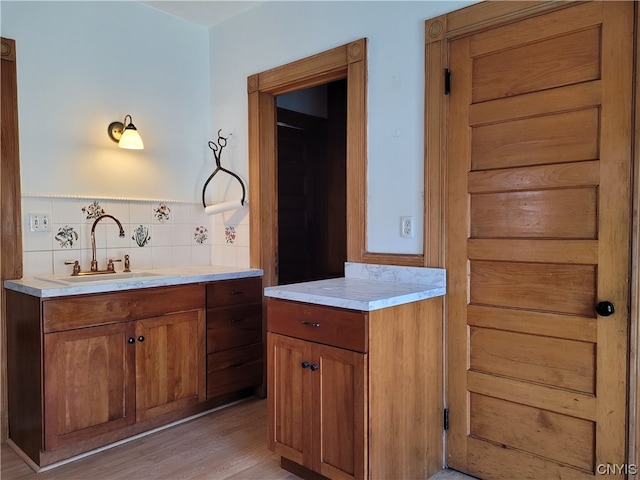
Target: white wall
[(84, 64), (276, 33), (80, 66)]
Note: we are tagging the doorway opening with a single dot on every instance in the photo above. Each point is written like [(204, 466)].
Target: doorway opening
[(347, 62), (312, 186)]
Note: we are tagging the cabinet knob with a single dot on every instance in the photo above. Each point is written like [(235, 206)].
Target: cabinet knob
[(131, 340), (305, 364), (141, 338), (314, 367)]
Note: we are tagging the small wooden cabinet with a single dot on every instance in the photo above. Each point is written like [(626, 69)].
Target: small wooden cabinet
[(234, 336), (352, 394)]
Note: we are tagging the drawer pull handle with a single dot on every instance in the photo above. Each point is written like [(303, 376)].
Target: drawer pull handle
[(305, 364), (236, 292), (314, 367), (311, 324), (237, 365)]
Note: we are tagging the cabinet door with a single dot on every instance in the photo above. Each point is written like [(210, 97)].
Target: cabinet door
[(317, 400), (339, 412), (289, 398), (88, 383), (170, 363)]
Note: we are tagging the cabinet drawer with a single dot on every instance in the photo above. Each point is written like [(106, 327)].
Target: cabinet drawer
[(232, 292), (235, 326), (104, 308), (234, 369), (328, 325)]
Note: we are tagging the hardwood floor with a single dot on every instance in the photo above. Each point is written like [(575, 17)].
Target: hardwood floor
[(226, 444)]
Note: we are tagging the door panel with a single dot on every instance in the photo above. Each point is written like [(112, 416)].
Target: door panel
[(88, 383), (289, 397), (567, 59), (170, 363), (341, 398), (537, 140), (534, 214), (560, 288), (555, 362), (557, 437), (538, 232)]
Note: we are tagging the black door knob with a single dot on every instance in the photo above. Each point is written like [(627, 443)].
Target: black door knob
[(305, 364), (314, 367), (141, 338), (604, 309), (131, 340)]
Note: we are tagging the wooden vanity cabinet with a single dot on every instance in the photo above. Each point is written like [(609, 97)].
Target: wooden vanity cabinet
[(234, 336), (107, 366), (353, 394)]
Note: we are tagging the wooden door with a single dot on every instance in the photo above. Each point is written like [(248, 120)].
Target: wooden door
[(170, 363), (88, 383), (289, 398), (339, 412), (538, 233)]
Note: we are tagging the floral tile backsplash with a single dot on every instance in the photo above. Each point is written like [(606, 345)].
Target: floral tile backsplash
[(157, 234), (66, 236)]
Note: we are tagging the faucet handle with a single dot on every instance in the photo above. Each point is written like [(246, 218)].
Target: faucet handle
[(127, 264), (110, 266), (76, 267)]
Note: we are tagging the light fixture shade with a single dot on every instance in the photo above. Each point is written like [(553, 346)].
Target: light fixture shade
[(131, 138)]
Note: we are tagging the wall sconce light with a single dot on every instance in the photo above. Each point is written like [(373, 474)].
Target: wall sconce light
[(125, 137)]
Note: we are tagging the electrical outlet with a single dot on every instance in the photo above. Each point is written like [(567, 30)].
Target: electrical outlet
[(406, 227), (39, 222)]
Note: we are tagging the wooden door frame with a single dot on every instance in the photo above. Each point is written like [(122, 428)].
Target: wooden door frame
[(10, 207), (349, 62), (439, 31)]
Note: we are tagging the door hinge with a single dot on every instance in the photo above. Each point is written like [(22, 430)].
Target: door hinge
[(445, 419), (447, 81)]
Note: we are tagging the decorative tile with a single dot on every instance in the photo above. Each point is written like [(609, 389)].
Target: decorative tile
[(230, 235), (141, 236), (162, 213), (93, 210), (66, 236), (200, 234)]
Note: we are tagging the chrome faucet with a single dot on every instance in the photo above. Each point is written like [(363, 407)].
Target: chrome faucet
[(94, 262)]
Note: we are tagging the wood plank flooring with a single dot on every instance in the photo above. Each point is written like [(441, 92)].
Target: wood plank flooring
[(228, 444)]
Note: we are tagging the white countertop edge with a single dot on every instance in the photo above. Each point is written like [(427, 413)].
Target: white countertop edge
[(166, 277), (352, 304)]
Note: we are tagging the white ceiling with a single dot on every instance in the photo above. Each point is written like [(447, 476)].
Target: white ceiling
[(204, 12)]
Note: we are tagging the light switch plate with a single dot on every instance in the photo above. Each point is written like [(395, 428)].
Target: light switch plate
[(39, 222)]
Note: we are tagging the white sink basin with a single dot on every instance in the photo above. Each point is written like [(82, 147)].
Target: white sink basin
[(105, 277)]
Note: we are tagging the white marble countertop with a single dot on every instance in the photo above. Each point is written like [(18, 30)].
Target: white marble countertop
[(46, 286), (367, 287)]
